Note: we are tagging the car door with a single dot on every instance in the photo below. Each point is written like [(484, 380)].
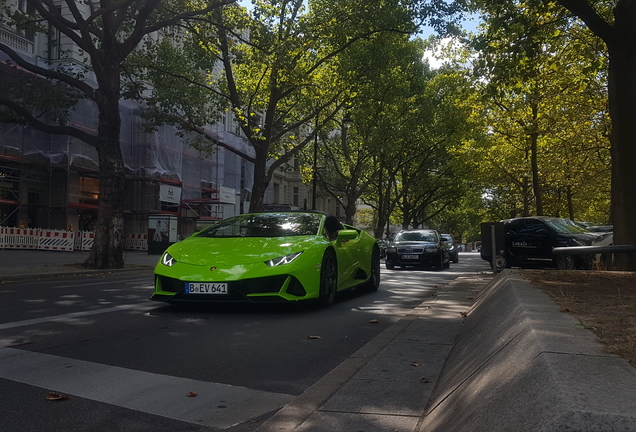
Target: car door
[(528, 242), (347, 248)]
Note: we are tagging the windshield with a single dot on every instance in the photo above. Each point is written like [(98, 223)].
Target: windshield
[(265, 225), (566, 226), (428, 236)]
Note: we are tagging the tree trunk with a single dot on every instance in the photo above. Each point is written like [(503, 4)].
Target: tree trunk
[(108, 247), (570, 199), (260, 180), (536, 183), (622, 107), (533, 137), (383, 217), (526, 197)]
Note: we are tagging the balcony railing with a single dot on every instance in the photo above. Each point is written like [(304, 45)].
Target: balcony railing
[(19, 43)]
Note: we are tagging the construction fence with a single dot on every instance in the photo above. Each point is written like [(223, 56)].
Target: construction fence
[(60, 240)]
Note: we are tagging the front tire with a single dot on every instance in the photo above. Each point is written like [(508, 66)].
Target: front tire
[(374, 279), (439, 265), (328, 278), (389, 266)]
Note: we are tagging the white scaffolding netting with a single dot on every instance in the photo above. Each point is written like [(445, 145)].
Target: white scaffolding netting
[(152, 155)]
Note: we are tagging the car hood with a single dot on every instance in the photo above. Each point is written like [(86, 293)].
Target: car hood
[(235, 251), (583, 239)]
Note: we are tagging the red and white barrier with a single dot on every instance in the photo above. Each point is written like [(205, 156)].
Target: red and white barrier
[(56, 240), (21, 238), (59, 240), (137, 242), (85, 240)]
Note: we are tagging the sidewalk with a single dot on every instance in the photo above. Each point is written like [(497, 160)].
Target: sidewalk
[(21, 264), (387, 384)]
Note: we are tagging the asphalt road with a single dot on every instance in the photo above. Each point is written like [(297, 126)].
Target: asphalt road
[(128, 364)]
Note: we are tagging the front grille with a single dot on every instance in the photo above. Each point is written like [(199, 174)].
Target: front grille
[(411, 250), (296, 288), (170, 285), (271, 284)]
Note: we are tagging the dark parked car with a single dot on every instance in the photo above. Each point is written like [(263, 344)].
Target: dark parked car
[(453, 248), (417, 248), (529, 242), (382, 244)]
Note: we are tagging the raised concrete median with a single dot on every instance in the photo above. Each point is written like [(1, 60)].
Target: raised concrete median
[(519, 364)]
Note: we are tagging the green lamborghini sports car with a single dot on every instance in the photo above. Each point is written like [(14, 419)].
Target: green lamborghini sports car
[(268, 257)]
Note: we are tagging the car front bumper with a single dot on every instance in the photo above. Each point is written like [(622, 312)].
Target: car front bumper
[(423, 259)]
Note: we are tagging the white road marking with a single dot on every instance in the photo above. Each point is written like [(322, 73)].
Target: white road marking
[(72, 315), (127, 282), (216, 405)]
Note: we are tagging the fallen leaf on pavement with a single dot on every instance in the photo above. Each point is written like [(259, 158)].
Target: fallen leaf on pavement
[(314, 337), (416, 364), (464, 314), (56, 397), (374, 321), (425, 380), (565, 309), (192, 394)]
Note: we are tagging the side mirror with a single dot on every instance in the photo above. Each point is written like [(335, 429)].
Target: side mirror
[(347, 235)]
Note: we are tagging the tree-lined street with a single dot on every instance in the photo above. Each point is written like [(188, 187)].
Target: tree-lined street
[(100, 342)]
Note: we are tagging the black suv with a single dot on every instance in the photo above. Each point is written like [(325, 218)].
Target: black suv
[(417, 248), (529, 242)]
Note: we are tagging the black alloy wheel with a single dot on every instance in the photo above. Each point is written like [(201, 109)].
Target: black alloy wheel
[(328, 278)]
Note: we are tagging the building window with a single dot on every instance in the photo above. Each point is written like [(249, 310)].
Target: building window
[(295, 196), (276, 193)]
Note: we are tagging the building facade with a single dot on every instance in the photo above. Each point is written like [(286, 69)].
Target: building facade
[(52, 182)]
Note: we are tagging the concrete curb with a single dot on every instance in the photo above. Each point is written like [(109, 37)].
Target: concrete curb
[(520, 364)]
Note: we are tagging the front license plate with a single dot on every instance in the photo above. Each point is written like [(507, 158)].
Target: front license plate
[(205, 288), (405, 257)]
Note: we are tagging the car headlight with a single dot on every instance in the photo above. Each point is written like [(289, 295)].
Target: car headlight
[(168, 260), (282, 260), (391, 249)]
